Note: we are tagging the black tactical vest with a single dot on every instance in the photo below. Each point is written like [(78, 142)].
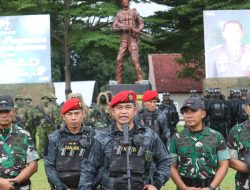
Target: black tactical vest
[(149, 120), (218, 110), (241, 113), (137, 163), (73, 149)]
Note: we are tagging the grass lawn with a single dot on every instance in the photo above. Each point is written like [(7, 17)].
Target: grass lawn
[(39, 180)]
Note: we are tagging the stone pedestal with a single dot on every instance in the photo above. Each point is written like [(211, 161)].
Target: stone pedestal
[(139, 89), (226, 84)]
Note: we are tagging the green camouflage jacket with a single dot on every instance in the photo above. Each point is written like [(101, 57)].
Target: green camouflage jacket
[(16, 149), (238, 143), (197, 153)]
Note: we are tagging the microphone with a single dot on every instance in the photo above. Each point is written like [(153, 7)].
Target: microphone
[(125, 128)]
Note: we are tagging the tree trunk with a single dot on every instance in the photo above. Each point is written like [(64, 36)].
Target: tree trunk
[(67, 67)]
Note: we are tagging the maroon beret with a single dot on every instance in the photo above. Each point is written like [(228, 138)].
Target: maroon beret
[(126, 96), (149, 95), (71, 104)]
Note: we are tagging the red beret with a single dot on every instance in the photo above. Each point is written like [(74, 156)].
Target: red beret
[(149, 95), (125, 96), (71, 104)]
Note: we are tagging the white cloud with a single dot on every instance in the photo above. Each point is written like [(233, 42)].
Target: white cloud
[(148, 9)]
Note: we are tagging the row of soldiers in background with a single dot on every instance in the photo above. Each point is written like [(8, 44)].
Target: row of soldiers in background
[(43, 119), (101, 117), (40, 120), (162, 120), (223, 113)]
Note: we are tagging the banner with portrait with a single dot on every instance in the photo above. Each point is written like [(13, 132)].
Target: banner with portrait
[(227, 43)]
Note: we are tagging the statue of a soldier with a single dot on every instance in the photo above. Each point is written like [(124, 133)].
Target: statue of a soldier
[(129, 23)]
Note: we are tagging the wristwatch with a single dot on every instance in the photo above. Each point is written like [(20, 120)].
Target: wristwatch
[(211, 188)]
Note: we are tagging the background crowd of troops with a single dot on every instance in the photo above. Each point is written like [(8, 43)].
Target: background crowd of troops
[(224, 113), (42, 119)]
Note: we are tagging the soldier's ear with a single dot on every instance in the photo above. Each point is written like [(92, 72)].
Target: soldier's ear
[(203, 112)]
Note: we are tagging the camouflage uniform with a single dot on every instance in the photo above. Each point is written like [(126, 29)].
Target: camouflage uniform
[(239, 143), (108, 152), (155, 120), (21, 114), (63, 167), (17, 149), (50, 120), (101, 117), (32, 120), (197, 155)]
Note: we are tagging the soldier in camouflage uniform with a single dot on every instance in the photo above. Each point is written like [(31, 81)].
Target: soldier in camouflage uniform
[(239, 146), (110, 150), (68, 147), (18, 154), (200, 155), (101, 114), (33, 117), (49, 122), (152, 117), (21, 114)]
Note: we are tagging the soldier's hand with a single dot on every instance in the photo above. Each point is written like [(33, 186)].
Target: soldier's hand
[(6, 184), (149, 187)]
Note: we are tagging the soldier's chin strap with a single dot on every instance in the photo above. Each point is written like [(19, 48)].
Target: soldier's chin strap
[(125, 128)]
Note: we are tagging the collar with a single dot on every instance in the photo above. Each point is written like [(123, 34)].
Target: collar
[(204, 132), (146, 112), (82, 129), (135, 130)]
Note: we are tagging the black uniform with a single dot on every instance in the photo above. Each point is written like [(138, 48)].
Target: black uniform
[(109, 152), (64, 155), (171, 113)]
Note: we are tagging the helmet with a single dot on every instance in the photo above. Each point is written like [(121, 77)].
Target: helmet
[(75, 95), (52, 96), (45, 96), (27, 98), (18, 96), (166, 94)]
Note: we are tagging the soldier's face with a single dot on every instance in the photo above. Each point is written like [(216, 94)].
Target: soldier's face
[(45, 100), (19, 101), (124, 113), (28, 101), (193, 118), (73, 118), (150, 105), (166, 98), (6, 118)]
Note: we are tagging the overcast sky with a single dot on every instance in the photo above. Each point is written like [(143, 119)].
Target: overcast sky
[(147, 9)]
